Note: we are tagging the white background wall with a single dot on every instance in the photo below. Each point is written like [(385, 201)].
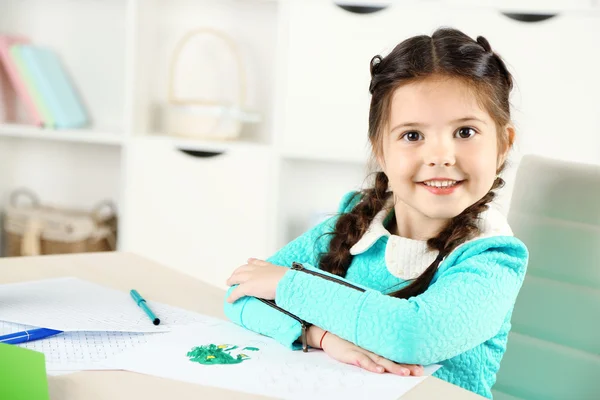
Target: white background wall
[(307, 69)]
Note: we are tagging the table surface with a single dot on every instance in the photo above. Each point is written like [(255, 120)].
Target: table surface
[(159, 283)]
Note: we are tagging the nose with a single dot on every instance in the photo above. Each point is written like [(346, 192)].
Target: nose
[(440, 154)]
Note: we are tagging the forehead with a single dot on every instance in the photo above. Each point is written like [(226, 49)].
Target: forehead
[(435, 101)]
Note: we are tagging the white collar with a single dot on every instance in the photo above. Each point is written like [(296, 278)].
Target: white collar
[(408, 258)]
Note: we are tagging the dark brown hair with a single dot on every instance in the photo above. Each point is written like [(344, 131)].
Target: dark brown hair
[(447, 53)]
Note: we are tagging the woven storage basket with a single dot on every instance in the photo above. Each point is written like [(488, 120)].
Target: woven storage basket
[(207, 119), (34, 229)]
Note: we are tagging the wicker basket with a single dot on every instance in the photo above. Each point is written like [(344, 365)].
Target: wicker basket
[(207, 119), (33, 229)]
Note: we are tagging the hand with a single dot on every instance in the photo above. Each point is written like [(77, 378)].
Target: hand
[(258, 278), (349, 353)]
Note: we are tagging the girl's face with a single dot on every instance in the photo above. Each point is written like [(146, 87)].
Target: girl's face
[(440, 152)]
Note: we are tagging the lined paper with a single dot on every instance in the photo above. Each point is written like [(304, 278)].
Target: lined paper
[(73, 304)]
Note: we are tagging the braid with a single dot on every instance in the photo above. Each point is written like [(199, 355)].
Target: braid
[(460, 229), (350, 227)]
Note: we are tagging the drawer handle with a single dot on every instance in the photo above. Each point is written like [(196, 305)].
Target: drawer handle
[(361, 9), (201, 153), (529, 17)]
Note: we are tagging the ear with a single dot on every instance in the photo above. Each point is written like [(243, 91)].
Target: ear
[(509, 134)]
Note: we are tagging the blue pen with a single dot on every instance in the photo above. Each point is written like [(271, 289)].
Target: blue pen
[(28, 336), (141, 302)]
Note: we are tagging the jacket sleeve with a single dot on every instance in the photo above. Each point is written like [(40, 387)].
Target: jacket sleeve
[(252, 314), (465, 305)]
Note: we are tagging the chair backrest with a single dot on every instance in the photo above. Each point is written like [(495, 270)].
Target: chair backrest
[(553, 349)]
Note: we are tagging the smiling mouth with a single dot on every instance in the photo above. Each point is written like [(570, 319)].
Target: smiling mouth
[(441, 187), (441, 184)]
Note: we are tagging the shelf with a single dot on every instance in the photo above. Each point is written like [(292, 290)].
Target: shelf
[(63, 135)]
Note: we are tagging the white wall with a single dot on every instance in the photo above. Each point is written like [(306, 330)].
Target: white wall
[(307, 68)]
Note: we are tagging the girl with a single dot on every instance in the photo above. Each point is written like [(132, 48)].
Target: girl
[(418, 269)]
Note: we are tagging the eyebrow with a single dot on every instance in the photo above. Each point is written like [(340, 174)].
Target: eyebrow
[(421, 125)]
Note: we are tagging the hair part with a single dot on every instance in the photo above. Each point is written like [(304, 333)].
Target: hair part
[(448, 53)]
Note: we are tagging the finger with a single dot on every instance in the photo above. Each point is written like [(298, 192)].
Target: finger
[(415, 370), (233, 278), (234, 273), (243, 268), (389, 365), (238, 278), (236, 293), (364, 361), (256, 261)]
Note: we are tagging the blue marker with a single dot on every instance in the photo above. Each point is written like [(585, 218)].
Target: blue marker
[(28, 336), (142, 304)]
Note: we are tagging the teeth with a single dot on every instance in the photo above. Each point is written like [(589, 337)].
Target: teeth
[(440, 183)]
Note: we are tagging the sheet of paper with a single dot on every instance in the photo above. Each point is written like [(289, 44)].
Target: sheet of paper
[(267, 368), (80, 350), (72, 304)]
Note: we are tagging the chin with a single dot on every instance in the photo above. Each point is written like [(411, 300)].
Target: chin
[(442, 214)]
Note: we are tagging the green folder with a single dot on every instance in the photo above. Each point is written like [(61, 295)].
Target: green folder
[(22, 374)]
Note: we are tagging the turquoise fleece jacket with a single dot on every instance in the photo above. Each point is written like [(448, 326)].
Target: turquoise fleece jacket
[(461, 321)]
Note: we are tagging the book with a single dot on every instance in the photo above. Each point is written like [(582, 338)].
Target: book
[(25, 74), (54, 85), (17, 83)]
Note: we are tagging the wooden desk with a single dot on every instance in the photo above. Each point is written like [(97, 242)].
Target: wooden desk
[(123, 271)]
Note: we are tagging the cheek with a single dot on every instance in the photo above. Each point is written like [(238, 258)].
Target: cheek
[(481, 161), (485, 167), (400, 167), (482, 173)]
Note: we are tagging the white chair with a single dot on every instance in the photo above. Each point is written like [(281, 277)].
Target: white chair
[(553, 349)]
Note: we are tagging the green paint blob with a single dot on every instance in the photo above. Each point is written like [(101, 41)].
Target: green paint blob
[(212, 354), (251, 348)]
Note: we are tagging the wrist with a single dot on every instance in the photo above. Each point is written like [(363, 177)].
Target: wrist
[(314, 336)]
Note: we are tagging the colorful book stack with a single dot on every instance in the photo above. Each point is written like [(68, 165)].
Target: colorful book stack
[(42, 84)]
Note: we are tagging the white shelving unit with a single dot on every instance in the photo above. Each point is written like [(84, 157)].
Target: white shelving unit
[(63, 135), (203, 206)]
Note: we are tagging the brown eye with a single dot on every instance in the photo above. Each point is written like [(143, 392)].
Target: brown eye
[(411, 136), (466, 132)]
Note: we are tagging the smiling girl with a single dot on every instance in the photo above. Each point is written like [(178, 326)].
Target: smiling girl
[(418, 269)]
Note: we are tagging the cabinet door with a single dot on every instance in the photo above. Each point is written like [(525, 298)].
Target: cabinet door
[(204, 216)]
